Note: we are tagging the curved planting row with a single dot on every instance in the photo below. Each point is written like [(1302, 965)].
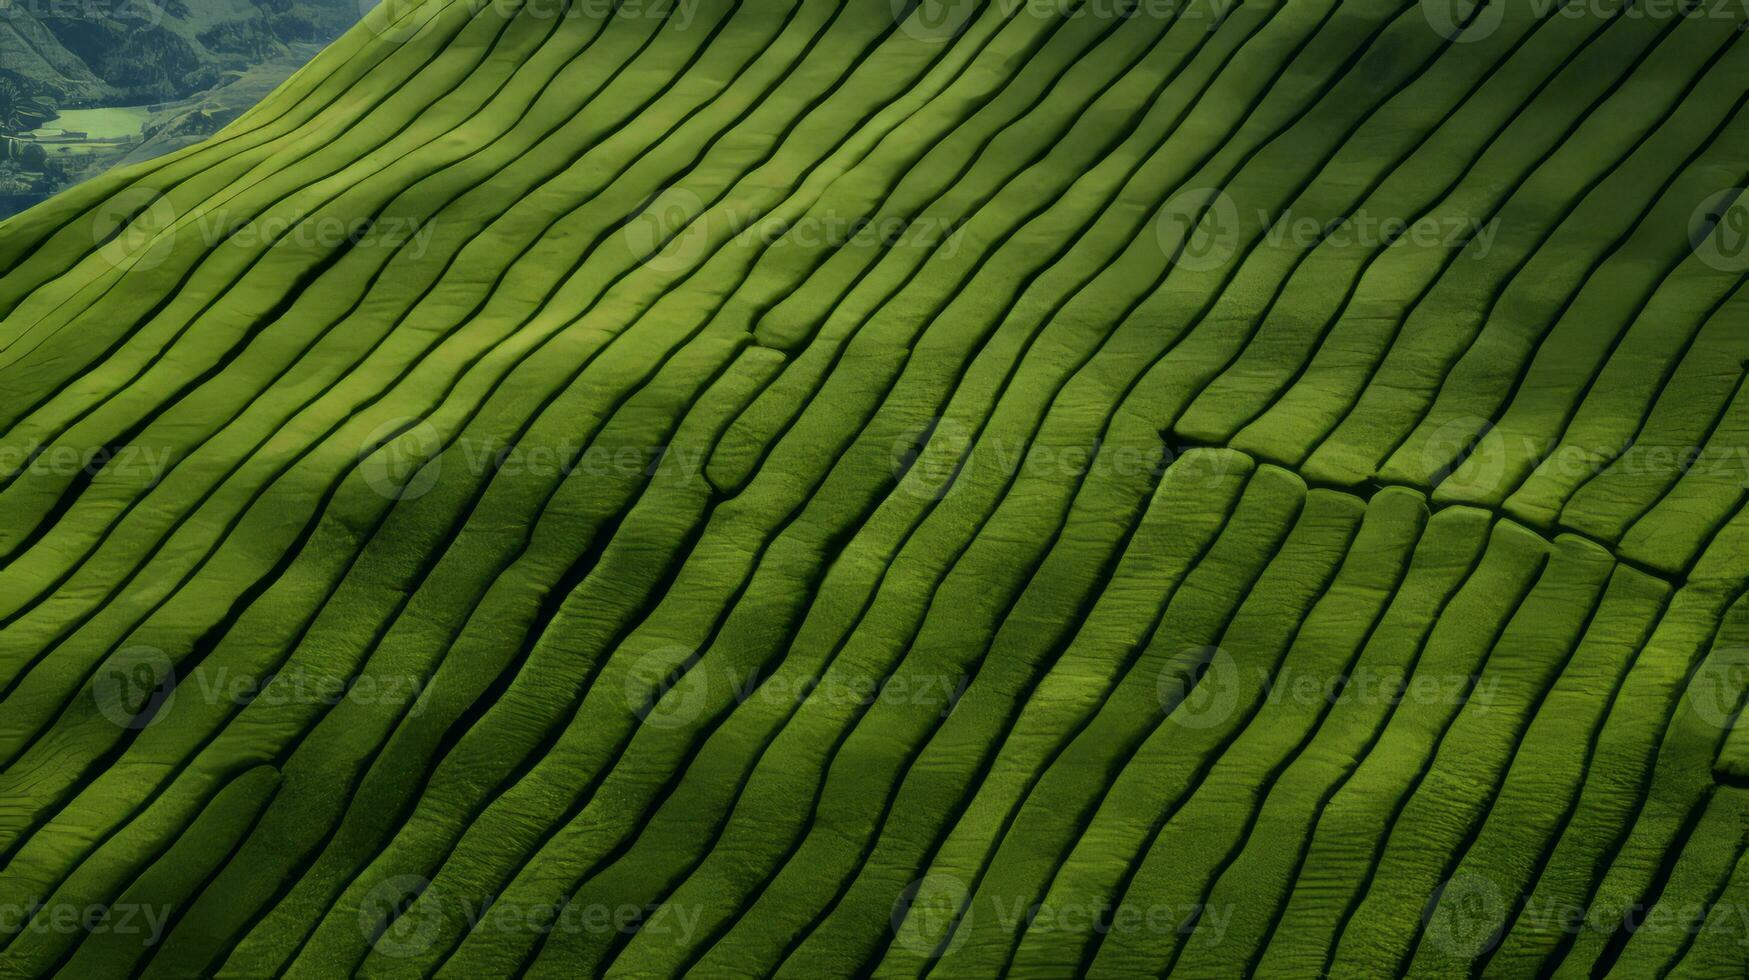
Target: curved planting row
[(969, 488)]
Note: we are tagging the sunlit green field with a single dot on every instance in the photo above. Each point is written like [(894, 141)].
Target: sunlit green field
[(1030, 488)]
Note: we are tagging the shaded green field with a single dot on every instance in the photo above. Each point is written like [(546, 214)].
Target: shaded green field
[(750, 487)]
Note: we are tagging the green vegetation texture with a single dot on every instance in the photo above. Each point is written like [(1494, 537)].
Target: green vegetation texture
[(1000, 488)]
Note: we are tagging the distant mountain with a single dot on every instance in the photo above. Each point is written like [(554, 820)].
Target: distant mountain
[(141, 51), (197, 65)]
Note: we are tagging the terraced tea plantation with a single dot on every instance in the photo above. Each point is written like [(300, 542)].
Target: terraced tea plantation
[(816, 488)]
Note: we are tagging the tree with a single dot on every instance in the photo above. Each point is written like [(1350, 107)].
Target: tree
[(20, 111), (33, 157)]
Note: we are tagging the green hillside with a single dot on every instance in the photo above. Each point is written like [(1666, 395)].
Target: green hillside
[(1030, 488)]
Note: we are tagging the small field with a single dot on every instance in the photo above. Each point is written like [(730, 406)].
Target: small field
[(119, 123)]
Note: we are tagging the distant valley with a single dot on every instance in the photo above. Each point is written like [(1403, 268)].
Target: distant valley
[(86, 85)]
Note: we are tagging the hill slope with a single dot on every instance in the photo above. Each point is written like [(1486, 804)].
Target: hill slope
[(1002, 489)]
